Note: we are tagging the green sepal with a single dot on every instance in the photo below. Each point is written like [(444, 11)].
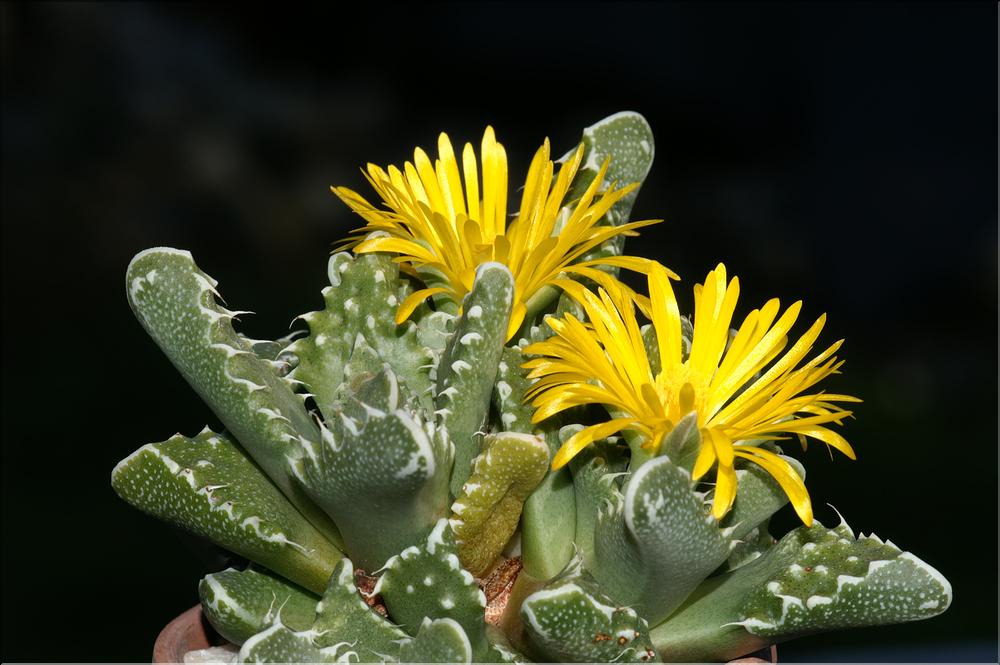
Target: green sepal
[(208, 486), (572, 620), (683, 442), (652, 346), (815, 579), (176, 303), (429, 581), (487, 510), (437, 641), (656, 540), (241, 603), (468, 368)]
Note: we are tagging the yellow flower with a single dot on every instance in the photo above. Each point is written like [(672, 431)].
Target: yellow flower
[(605, 362), (445, 224)]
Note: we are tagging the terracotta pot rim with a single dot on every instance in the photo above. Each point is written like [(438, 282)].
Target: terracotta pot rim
[(187, 631)]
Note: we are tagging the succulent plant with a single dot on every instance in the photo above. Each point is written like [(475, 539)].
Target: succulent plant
[(411, 485)]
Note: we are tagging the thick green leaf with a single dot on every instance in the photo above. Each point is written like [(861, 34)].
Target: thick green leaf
[(815, 579), (241, 603), (487, 511), (571, 620), (176, 303), (468, 369), (360, 304), (209, 487), (656, 541), (429, 582)]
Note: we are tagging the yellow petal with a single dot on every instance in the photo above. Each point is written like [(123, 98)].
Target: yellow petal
[(396, 245), (666, 317), (786, 476), (725, 491), (516, 319), (725, 476), (585, 437), (428, 178), (413, 300), (706, 457), (828, 437), (448, 177), (471, 181)]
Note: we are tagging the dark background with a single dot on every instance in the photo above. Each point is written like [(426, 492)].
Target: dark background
[(839, 153)]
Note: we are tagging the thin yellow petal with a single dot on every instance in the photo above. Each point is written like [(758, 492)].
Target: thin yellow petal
[(471, 174), (516, 319), (786, 476), (705, 460), (666, 317), (413, 300), (491, 180), (448, 177), (585, 437)]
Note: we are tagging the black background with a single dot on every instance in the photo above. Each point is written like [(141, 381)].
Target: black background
[(843, 154)]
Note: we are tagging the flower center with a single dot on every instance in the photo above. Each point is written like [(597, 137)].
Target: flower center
[(682, 390)]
